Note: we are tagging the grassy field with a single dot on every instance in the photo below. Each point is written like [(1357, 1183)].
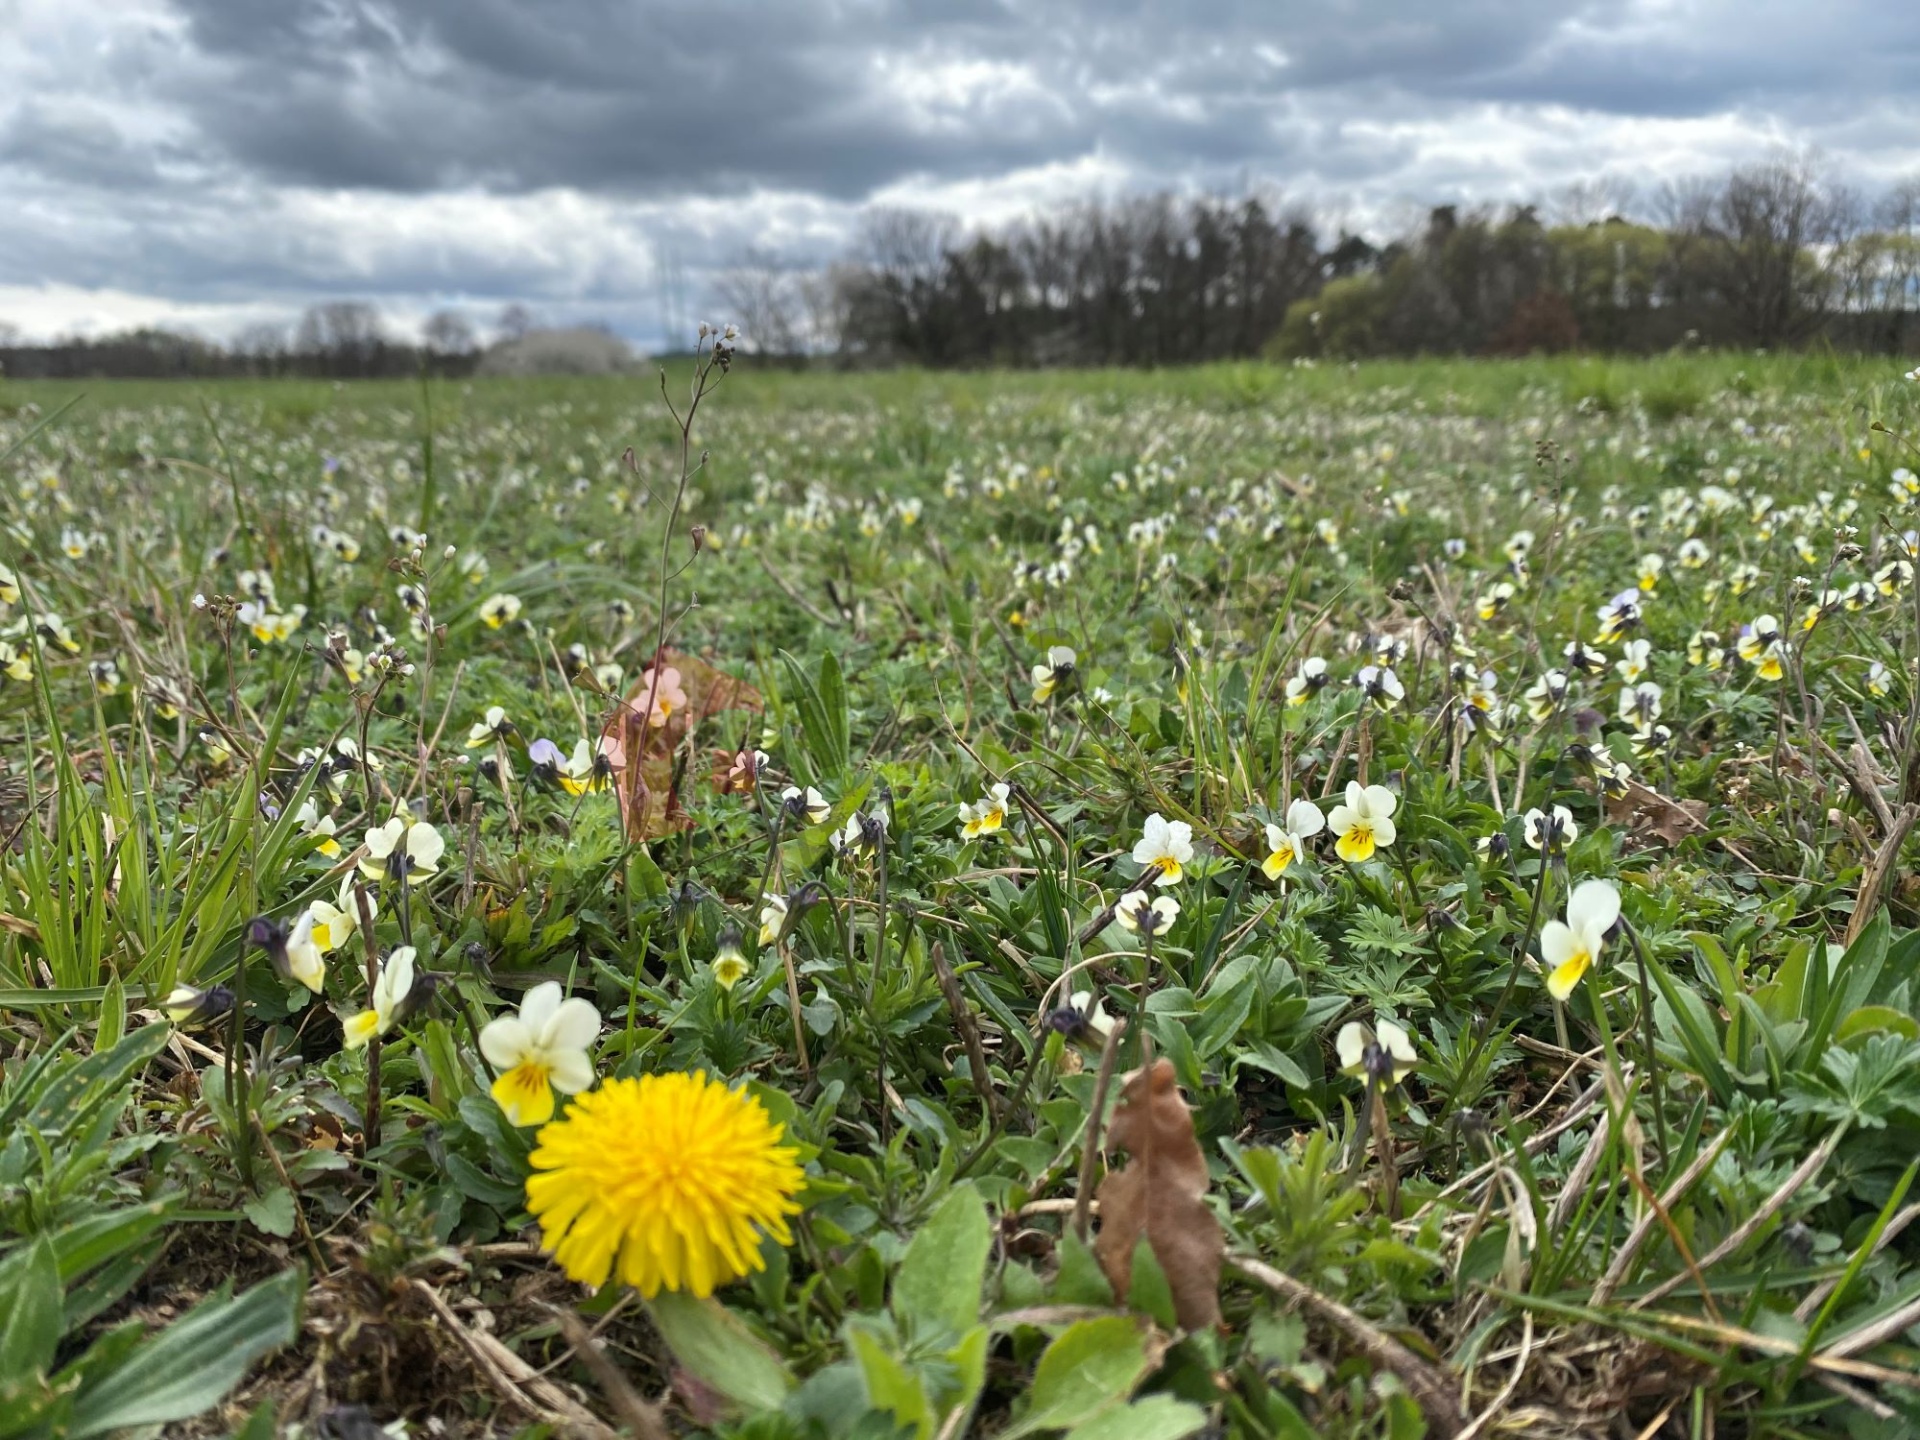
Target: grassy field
[(1256, 902)]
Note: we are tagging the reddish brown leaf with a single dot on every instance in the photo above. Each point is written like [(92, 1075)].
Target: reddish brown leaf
[(1646, 812), (644, 755), (1161, 1194)]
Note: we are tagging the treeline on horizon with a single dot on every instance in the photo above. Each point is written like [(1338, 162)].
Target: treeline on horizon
[(337, 340), (1770, 255)]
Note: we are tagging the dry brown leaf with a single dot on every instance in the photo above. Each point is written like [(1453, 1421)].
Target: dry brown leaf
[(646, 781), (1647, 812), (1161, 1194)]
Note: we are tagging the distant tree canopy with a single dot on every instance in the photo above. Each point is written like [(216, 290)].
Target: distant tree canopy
[(343, 339), (1768, 255)]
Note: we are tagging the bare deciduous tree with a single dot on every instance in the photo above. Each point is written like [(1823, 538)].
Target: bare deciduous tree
[(449, 333), (762, 295)]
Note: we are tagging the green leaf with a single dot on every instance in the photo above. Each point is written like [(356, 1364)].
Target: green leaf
[(938, 1287), (833, 706), (272, 1212), (474, 1183), (30, 1318), (1875, 1020), (719, 1350), (1147, 1290), (969, 1361), (1081, 1281), (1223, 1012), (891, 1386), (1092, 1367), (193, 1363), (1158, 1417)]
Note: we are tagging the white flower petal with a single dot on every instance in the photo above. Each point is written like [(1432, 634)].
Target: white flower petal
[(539, 1005), (574, 1026), (570, 1071), (505, 1042)]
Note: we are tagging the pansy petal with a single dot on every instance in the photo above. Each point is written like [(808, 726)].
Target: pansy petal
[(574, 1026), (572, 1071), (538, 1006), (505, 1042)]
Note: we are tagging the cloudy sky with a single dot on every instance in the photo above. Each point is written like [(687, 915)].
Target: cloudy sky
[(213, 163)]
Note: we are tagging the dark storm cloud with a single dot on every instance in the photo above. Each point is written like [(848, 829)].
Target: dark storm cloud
[(816, 95), (587, 152)]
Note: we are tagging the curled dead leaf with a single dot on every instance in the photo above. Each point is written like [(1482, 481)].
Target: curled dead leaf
[(1646, 812), (1161, 1195), (646, 754)]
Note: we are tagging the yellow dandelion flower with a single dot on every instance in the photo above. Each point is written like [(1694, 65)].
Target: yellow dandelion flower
[(668, 1180)]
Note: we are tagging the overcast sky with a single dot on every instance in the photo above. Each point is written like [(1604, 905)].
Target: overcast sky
[(215, 162)]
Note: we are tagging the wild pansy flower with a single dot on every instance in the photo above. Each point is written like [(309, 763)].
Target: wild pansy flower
[(494, 725), (404, 845), (1570, 947), (1633, 660), (105, 675), (1164, 847), (1879, 678), (301, 957), (987, 815), (1287, 842), (1307, 681), (1583, 659), (1054, 673), (1758, 636), (1618, 616), (1364, 823), (1648, 574), (729, 965), (1693, 554), (9, 587), (499, 609), (1828, 603), (1893, 576), (1551, 831), (540, 1051), (17, 663), (774, 911), (861, 834), (316, 826), (1640, 704), (589, 768), (809, 802), (391, 989), (1382, 1055), (660, 696), (1704, 648), (1387, 649), (190, 1008), (1546, 695), (1496, 600), (1380, 685), (1139, 912), (1770, 663), (335, 923)]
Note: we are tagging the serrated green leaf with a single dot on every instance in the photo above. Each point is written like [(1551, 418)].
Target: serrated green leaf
[(272, 1213)]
